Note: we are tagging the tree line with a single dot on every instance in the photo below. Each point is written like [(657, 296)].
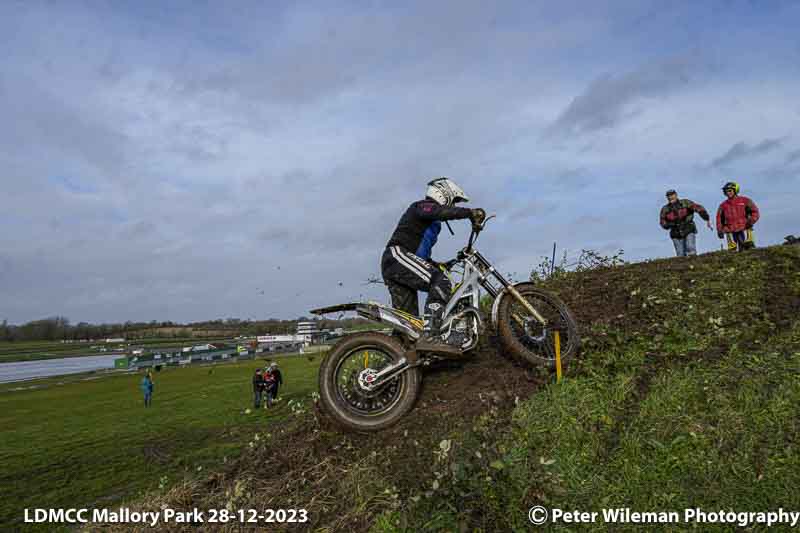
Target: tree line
[(59, 328)]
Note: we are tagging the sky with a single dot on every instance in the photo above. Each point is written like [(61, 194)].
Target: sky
[(191, 161)]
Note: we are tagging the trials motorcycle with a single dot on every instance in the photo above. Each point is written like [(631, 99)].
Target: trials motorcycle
[(369, 380)]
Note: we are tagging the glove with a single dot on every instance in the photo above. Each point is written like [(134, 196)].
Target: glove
[(720, 234), (477, 216)]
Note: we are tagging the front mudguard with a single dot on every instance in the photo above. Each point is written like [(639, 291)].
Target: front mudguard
[(505, 293)]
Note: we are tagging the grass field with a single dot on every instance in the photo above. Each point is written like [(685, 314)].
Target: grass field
[(92, 443)]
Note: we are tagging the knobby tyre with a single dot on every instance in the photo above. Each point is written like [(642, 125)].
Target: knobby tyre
[(525, 338), (349, 405)]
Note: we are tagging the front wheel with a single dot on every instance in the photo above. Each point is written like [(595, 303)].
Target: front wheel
[(347, 402), (526, 338)]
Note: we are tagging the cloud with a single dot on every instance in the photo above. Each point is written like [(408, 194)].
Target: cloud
[(791, 157), (608, 100), (532, 209), (783, 172), (742, 150), (150, 171)]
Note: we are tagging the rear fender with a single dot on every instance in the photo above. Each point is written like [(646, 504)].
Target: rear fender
[(396, 319)]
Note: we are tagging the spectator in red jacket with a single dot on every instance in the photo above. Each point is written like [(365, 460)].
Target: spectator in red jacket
[(736, 217)]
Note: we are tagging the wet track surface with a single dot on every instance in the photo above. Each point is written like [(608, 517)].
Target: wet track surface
[(24, 370)]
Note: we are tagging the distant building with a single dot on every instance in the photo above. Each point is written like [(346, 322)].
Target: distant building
[(280, 343), (277, 338), (120, 339), (307, 330)]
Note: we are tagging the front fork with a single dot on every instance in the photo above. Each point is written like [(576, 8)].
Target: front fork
[(527, 305), (506, 286)]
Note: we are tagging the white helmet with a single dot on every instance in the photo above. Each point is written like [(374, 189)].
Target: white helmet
[(445, 192)]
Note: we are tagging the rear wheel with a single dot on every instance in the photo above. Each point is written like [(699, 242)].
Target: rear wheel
[(526, 338), (344, 398)]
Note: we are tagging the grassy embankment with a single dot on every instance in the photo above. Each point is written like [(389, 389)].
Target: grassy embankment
[(92, 443), (686, 395)]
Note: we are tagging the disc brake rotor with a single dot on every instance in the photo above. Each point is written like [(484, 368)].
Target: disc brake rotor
[(362, 399)]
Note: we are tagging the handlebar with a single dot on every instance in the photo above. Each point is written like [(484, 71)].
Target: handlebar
[(473, 236), (476, 230)]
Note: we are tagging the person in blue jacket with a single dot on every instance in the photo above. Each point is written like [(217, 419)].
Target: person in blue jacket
[(406, 263), (147, 389)]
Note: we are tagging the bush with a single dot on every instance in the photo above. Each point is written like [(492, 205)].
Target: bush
[(587, 260)]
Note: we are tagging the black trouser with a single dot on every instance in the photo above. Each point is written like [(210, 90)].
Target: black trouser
[(405, 273)]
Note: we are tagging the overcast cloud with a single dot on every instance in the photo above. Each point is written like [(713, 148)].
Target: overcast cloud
[(195, 161), (742, 150)]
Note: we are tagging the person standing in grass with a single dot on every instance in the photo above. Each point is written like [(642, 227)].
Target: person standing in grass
[(147, 389), (269, 386), (258, 387), (677, 216), (736, 217), (276, 373)]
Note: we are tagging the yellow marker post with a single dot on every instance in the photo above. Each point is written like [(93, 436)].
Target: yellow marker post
[(366, 359), (558, 356)]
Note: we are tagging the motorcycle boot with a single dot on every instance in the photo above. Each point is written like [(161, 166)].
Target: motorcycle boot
[(431, 340)]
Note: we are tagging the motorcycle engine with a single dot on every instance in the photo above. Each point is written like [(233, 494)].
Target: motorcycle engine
[(462, 332)]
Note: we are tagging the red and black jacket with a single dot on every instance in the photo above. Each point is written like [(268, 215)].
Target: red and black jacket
[(736, 214), (678, 218)]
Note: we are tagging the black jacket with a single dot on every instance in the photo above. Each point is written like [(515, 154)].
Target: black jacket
[(258, 382), (416, 220)]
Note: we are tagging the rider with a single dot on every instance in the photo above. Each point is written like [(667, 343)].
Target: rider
[(406, 264), (736, 217)]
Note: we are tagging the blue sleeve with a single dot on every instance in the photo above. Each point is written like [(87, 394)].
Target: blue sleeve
[(428, 240)]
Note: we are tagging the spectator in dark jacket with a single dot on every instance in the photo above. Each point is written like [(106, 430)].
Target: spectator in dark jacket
[(678, 217), (736, 217), (276, 373), (258, 387)]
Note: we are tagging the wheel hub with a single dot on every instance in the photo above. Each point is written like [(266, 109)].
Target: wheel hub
[(531, 327), (366, 379)]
